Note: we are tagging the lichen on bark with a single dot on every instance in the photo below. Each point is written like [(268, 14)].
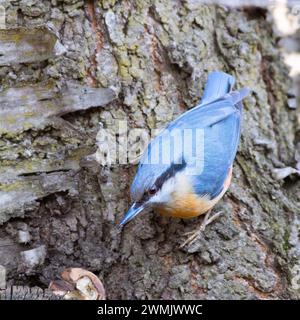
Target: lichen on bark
[(155, 55)]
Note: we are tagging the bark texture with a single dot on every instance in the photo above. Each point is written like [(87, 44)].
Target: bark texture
[(68, 65)]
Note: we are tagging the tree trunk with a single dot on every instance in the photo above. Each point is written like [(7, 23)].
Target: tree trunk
[(68, 65)]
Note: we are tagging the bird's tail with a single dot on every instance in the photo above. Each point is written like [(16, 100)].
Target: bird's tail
[(237, 96), (218, 84)]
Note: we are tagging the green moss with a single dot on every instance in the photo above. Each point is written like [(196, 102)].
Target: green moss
[(124, 73), (10, 119), (27, 125), (11, 187), (286, 243), (25, 166), (29, 114), (10, 36), (106, 4)]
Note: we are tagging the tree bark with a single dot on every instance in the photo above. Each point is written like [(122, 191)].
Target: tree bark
[(145, 62)]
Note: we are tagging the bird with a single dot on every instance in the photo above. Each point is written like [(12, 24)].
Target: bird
[(187, 168)]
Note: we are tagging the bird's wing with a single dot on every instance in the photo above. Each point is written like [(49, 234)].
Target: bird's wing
[(220, 147)]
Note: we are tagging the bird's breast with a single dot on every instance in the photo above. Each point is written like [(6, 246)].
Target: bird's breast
[(185, 203), (185, 206)]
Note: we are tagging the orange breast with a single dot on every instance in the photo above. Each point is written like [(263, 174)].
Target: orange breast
[(186, 204)]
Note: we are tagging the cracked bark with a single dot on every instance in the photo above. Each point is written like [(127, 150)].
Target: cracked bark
[(156, 56)]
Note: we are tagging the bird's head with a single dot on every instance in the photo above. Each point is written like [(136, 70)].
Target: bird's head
[(153, 187)]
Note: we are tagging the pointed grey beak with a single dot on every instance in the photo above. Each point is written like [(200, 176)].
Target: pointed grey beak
[(133, 211)]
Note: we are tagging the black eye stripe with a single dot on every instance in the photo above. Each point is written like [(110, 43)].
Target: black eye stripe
[(169, 173)]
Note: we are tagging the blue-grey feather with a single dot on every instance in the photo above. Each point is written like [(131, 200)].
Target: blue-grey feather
[(221, 142), (217, 84)]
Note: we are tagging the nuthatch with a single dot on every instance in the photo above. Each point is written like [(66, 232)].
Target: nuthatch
[(187, 168)]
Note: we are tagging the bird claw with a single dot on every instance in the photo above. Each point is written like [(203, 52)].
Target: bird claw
[(194, 235)]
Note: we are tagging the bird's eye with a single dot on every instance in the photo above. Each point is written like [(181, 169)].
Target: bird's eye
[(152, 191)]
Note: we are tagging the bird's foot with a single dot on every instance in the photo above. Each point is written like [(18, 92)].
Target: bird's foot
[(194, 235)]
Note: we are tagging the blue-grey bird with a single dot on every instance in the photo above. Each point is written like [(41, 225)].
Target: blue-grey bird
[(187, 168)]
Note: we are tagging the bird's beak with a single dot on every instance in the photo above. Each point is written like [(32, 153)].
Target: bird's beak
[(133, 211)]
